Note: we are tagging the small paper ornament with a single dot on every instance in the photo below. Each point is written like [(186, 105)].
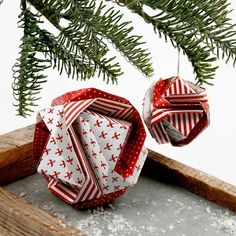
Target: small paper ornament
[(175, 111), (89, 146)]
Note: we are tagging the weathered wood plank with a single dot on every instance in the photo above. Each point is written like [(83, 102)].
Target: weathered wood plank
[(17, 171), (16, 155), (193, 180), (16, 146), (21, 218)]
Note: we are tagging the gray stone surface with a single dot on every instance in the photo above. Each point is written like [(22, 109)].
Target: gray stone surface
[(150, 208)]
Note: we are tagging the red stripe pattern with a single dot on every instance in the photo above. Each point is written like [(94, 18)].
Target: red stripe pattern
[(73, 109), (175, 111), (82, 165), (112, 108)]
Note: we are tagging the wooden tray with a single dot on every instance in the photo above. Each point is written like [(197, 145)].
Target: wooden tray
[(19, 217)]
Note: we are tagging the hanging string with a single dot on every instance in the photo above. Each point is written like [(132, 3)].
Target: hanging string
[(178, 62)]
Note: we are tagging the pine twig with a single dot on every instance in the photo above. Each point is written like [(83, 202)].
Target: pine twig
[(27, 70)]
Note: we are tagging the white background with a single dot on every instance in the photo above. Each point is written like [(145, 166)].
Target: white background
[(213, 151)]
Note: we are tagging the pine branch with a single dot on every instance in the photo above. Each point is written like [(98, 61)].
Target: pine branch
[(199, 56), (79, 41), (97, 24), (51, 9), (182, 38), (80, 49), (208, 18), (79, 38), (102, 23), (119, 34), (82, 13), (62, 59), (28, 68)]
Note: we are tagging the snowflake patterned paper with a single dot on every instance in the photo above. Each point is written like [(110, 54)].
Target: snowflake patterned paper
[(175, 111), (89, 146)]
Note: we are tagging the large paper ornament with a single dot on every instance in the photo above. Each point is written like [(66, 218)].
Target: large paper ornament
[(89, 146)]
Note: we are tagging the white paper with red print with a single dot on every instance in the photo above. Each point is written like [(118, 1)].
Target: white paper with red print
[(90, 188), (103, 139), (83, 158), (175, 111), (59, 160)]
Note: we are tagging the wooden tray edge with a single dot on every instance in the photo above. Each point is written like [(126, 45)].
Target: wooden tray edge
[(20, 217)]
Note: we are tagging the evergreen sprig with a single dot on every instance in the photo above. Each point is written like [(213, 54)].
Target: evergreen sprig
[(80, 38), (209, 19), (119, 34), (28, 69), (200, 28), (181, 38), (80, 49)]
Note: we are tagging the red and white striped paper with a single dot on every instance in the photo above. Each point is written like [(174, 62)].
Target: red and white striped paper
[(71, 168), (175, 111)]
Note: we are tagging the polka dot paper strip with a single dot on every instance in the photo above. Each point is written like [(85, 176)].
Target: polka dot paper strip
[(89, 146), (175, 111)]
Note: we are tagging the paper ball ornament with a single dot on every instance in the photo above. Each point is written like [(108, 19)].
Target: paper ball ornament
[(175, 111), (89, 146)]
